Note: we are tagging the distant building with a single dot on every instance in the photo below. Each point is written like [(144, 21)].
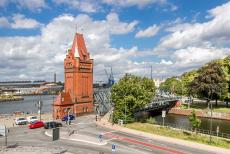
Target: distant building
[(77, 97), (28, 87), (158, 81)]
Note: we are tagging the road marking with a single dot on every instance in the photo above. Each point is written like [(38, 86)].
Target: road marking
[(109, 132), (110, 139), (74, 139), (145, 144), (82, 123)]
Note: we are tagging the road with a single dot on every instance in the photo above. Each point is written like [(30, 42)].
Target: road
[(86, 128)]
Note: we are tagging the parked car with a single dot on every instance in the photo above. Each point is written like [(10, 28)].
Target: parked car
[(31, 119), (52, 124), (71, 117), (20, 121), (36, 124)]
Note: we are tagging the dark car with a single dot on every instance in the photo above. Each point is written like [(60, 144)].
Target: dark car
[(52, 124), (65, 118)]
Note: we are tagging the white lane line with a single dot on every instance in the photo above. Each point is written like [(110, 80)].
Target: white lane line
[(110, 139), (102, 143), (82, 123), (114, 131)]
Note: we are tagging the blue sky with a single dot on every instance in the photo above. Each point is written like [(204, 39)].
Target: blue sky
[(172, 36)]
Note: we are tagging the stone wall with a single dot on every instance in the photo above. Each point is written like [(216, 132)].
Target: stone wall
[(201, 113)]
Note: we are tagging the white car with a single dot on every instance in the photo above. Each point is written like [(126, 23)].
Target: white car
[(20, 121), (31, 119)]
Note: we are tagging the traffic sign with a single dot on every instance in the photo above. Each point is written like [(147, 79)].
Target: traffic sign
[(163, 114), (113, 148)]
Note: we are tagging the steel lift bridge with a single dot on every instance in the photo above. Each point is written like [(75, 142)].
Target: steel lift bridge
[(163, 101)]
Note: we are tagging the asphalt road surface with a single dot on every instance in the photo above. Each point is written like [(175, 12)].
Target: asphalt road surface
[(85, 126)]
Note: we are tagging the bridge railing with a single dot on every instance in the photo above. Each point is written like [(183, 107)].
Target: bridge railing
[(190, 129)]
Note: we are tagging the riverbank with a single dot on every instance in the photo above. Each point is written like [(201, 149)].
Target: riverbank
[(9, 119), (12, 98), (201, 113)]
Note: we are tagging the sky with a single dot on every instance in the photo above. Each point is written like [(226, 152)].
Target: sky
[(131, 36)]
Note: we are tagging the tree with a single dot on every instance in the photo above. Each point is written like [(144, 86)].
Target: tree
[(172, 85), (210, 83), (186, 80), (129, 94), (226, 68), (194, 121)]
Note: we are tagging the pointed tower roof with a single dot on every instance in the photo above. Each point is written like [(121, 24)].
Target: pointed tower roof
[(78, 47)]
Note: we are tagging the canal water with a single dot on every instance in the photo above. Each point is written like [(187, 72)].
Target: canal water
[(182, 121), (28, 105)]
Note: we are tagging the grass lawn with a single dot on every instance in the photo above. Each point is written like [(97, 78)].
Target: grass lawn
[(153, 129)]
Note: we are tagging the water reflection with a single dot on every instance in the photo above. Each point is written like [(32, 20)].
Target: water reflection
[(27, 105)]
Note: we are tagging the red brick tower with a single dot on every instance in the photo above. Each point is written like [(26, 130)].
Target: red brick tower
[(78, 93)]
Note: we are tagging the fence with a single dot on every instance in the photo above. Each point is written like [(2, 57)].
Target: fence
[(201, 131)]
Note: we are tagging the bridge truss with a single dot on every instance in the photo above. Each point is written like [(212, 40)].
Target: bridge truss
[(102, 100)]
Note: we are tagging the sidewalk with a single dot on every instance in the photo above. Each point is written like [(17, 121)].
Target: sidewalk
[(77, 137), (104, 123)]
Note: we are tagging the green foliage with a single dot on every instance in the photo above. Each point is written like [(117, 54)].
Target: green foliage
[(129, 94), (172, 85), (226, 69), (186, 79), (210, 83), (194, 120), (151, 120)]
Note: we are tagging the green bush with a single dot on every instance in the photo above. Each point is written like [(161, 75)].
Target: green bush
[(151, 120)]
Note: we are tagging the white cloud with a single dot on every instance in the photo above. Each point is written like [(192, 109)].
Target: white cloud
[(4, 22), (164, 62), (19, 21), (88, 6), (37, 57), (32, 4), (149, 32), (116, 27), (193, 56), (189, 45), (92, 6), (127, 3), (3, 3), (217, 30)]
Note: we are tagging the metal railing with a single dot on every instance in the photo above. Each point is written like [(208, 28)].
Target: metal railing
[(190, 129)]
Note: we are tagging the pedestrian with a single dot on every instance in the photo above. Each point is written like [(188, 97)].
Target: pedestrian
[(96, 117), (100, 137)]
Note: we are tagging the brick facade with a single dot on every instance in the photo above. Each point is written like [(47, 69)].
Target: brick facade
[(78, 93)]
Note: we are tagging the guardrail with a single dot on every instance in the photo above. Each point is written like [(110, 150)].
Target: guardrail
[(201, 131)]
